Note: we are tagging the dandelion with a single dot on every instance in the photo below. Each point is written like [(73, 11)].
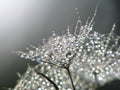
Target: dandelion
[(79, 61)]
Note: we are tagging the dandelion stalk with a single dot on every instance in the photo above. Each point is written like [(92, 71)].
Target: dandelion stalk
[(95, 76), (52, 82), (69, 74)]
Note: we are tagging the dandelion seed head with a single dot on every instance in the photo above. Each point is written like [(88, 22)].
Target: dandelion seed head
[(92, 57)]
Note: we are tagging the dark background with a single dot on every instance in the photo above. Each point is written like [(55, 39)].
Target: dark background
[(24, 22)]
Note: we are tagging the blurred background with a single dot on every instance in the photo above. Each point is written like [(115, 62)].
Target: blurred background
[(24, 22)]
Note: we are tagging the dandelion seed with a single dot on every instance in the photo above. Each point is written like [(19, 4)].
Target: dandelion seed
[(93, 59)]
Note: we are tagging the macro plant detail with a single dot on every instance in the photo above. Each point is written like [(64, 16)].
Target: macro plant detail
[(82, 60)]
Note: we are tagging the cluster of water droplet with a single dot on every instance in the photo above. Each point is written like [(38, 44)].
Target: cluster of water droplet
[(91, 57)]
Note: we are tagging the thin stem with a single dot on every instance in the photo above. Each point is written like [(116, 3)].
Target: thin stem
[(52, 82), (70, 78), (95, 75)]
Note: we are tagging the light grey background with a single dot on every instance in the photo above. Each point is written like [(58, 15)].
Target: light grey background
[(28, 21)]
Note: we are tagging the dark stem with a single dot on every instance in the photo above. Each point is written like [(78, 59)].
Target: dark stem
[(95, 75), (70, 78), (52, 82)]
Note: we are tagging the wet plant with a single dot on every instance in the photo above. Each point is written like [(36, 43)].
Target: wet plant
[(83, 60)]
